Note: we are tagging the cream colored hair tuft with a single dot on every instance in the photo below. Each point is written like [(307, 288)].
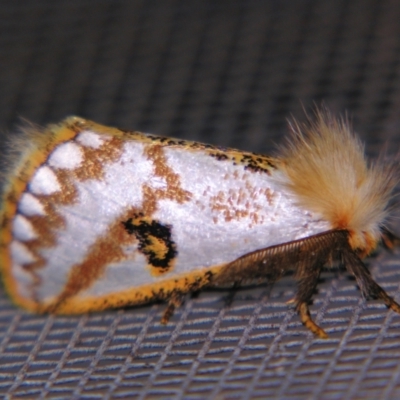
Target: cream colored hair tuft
[(330, 175)]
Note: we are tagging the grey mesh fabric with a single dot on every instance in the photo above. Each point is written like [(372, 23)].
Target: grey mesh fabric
[(227, 73)]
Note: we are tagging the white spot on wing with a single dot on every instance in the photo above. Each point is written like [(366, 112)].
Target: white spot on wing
[(67, 156), (29, 205), (91, 139), (22, 229), (20, 253), (44, 182)]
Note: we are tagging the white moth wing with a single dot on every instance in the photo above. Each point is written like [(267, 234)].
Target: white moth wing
[(210, 211)]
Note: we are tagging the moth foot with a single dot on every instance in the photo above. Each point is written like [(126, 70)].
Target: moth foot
[(308, 322)]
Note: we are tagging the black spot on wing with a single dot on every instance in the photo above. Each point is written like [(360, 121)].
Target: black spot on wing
[(250, 161), (257, 163), (220, 156), (155, 241)]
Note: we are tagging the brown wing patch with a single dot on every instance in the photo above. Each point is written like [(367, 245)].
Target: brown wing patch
[(106, 250), (95, 159), (238, 203)]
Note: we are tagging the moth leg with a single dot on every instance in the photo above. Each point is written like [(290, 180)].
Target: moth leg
[(305, 317), (175, 298), (305, 291), (174, 302), (366, 283)]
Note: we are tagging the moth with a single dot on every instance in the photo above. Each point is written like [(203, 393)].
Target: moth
[(94, 217)]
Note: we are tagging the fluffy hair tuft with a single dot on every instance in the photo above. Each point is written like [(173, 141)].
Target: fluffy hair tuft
[(330, 175)]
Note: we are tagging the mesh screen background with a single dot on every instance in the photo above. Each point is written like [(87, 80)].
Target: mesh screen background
[(228, 73)]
